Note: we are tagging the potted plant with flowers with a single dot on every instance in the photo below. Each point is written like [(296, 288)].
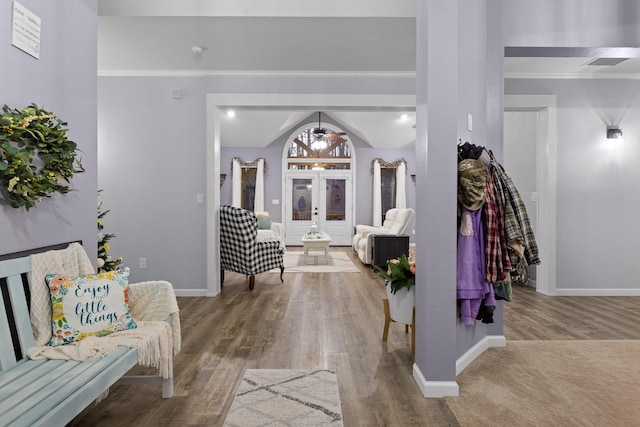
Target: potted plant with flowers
[(400, 280)]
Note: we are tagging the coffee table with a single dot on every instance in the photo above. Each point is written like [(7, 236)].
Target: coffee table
[(319, 241)]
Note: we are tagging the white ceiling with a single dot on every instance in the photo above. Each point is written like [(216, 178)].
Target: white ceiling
[(290, 37), (267, 37), (381, 129), (574, 67)]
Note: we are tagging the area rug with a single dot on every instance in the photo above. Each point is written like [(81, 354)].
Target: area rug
[(551, 383), (337, 262), (286, 397)]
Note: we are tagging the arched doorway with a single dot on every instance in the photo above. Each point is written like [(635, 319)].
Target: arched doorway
[(318, 172)]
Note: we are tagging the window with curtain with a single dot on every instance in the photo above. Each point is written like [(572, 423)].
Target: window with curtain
[(248, 188), (389, 187), (248, 184)]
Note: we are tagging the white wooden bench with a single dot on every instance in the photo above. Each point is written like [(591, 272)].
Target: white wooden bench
[(48, 392)]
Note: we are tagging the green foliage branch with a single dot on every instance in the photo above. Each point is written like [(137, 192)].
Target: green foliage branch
[(37, 159), (105, 261)]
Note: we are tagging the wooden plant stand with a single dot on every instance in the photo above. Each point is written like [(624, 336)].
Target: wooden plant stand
[(388, 320)]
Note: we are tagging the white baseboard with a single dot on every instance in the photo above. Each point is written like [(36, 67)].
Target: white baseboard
[(586, 292), (475, 351), (450, 388), (191, 293), (434, 388)]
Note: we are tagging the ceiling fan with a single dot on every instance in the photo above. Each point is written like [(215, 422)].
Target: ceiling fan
[(322, 136), (320, 139)]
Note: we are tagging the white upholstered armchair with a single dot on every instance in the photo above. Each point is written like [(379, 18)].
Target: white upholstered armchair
[(397, 221)]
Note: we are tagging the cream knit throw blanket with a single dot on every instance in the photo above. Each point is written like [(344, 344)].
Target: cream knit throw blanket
[(150, 303)]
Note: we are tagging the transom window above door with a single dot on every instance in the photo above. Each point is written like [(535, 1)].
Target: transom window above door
[(319, 147)]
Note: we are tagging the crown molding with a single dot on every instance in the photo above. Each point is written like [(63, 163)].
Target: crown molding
[(258, 73), (599, 76)]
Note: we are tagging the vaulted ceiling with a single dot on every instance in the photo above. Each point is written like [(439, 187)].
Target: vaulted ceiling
[(289, 38), (329, 38)]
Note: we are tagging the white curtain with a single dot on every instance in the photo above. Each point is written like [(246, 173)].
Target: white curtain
[(377, 195), (401, 193), (237, 184), (258, 205)]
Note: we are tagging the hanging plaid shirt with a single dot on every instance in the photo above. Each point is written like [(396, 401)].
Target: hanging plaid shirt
[(496, 255), (517, 223), (511, 228)]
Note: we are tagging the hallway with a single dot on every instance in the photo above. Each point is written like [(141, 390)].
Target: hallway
[(318, 320)]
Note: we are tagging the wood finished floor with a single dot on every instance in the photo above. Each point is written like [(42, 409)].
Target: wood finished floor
[(333, 321)]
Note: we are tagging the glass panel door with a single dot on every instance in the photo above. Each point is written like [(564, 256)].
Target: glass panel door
[(335, 200), (336, 207), (322, 197), (301, 199), (301, 205)]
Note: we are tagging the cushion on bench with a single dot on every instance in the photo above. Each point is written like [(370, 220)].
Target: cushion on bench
[(51, 391), (156, 341)]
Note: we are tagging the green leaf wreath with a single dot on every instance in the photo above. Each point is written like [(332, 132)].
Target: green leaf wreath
[(37, 159)]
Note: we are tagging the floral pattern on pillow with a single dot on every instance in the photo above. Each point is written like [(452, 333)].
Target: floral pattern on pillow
[(88, 305)]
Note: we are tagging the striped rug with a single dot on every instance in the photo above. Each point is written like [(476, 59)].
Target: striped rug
[(286, 397)]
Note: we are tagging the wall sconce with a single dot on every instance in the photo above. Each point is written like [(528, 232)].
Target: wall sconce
[(614, 132), (413, 177), (223, 176)]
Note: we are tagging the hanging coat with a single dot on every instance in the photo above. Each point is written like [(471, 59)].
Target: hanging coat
[(472, 289)]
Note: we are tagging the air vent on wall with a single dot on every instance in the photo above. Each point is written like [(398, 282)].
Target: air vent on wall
[(610, 62)]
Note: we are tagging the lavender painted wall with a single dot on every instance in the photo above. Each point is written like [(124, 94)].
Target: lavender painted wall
[(570, 23), (274, 182), (488, 26), (153, 202), (473, 96), (470, 37), (604, 192), (63, 81), (451, 85), (154, 213)]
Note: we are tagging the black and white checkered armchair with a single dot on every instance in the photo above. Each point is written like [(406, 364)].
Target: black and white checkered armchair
[(240, 251)]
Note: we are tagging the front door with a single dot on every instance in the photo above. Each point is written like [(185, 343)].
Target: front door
[(322, 197)]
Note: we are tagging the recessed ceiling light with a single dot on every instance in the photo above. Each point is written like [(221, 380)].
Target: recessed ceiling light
[(404, 116), (231, 113)]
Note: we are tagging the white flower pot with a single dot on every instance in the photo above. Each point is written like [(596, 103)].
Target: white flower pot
[(401, 304)]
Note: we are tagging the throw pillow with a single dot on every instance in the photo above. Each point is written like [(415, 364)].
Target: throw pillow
[(264, 222), (92, 304)]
